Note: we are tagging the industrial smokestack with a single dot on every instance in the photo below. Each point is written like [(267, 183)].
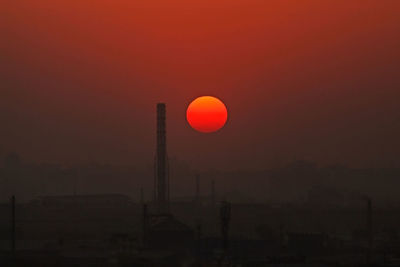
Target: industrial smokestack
[(161, 183)]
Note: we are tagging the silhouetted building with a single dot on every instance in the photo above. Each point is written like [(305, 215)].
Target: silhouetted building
[(168, 232)]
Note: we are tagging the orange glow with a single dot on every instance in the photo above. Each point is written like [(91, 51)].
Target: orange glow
[(207, 114), (289, 70)]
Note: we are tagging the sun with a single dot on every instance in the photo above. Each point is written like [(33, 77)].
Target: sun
[(206, 114)]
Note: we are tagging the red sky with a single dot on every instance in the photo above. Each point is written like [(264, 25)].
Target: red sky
[(317, 80)]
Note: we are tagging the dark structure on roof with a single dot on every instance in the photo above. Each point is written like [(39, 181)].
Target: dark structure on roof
[(168, 232)]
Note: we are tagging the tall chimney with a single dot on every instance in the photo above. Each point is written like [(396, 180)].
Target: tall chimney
[(161, 187)]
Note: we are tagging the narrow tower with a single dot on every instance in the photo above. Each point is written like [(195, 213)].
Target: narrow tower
[(161, 181)]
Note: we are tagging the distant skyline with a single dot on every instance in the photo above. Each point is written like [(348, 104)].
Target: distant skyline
[(317, 80)]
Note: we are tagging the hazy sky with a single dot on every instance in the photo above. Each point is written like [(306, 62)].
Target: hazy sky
[(316, 80)]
